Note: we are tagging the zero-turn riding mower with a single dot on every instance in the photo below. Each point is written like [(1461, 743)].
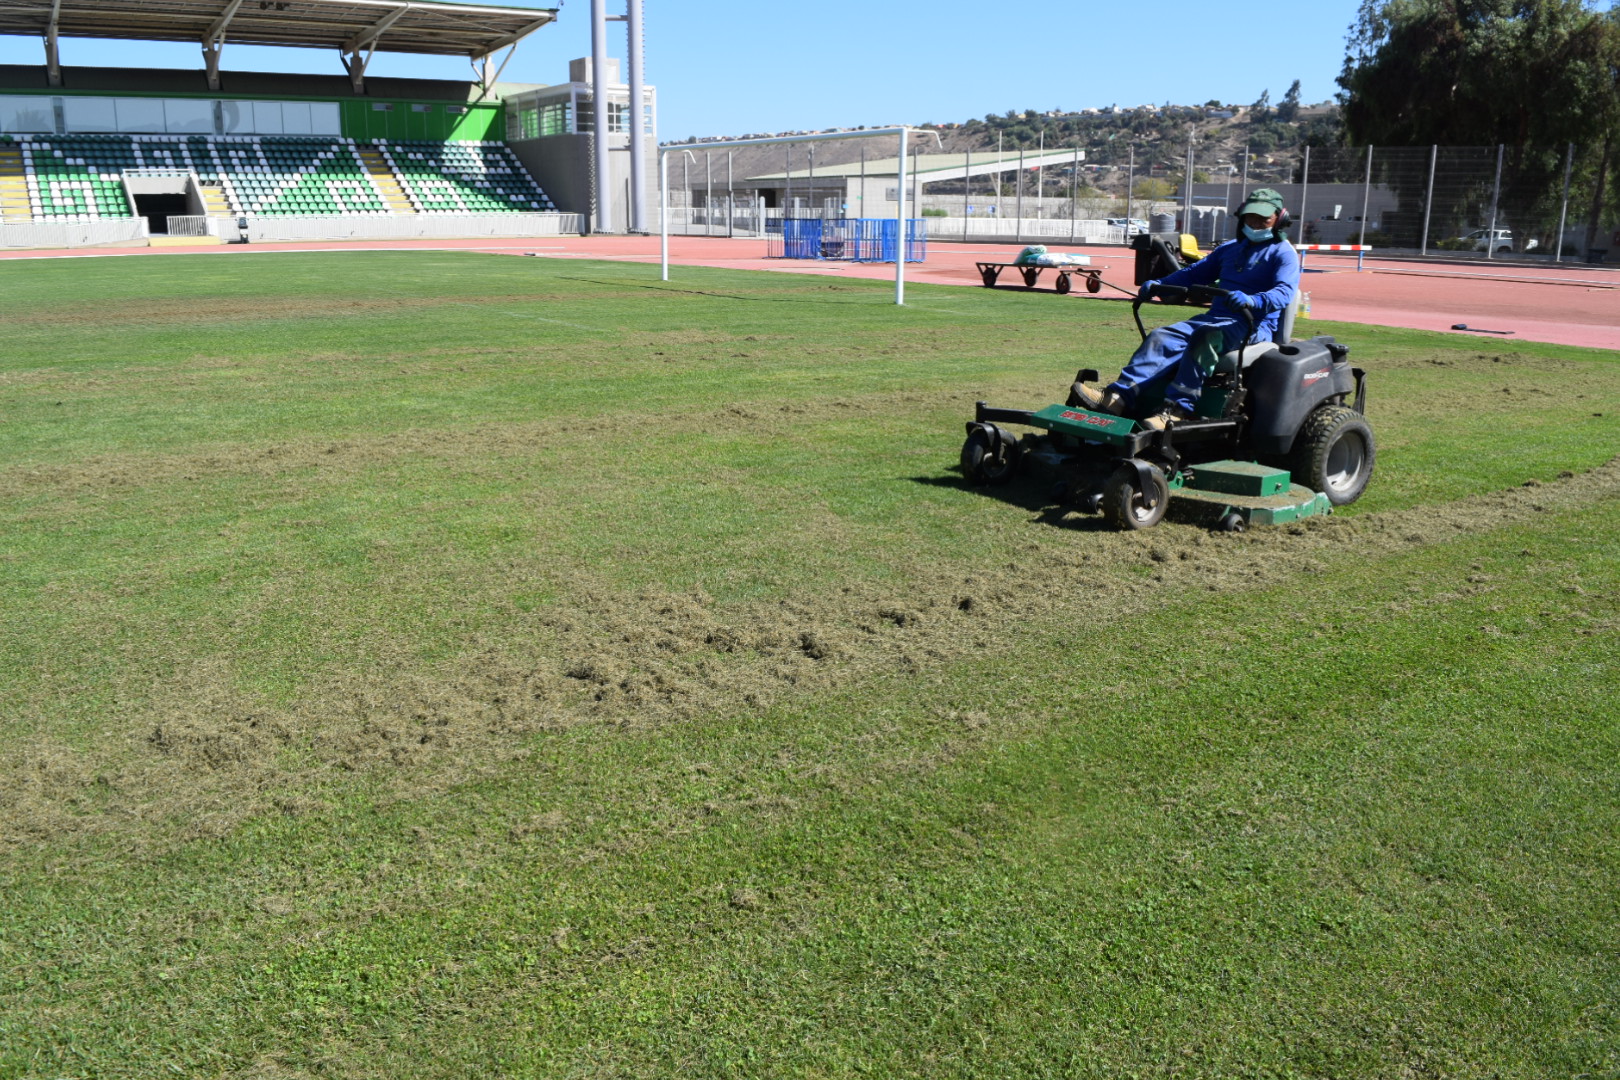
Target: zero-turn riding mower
[(1280, 433)]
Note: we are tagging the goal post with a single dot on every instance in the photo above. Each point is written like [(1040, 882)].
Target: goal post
[(729, 144)]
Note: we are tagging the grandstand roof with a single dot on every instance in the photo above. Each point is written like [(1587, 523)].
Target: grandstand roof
[(409, 26), (930, 166)]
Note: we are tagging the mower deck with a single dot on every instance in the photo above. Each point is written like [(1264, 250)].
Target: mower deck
[(1297, 503)]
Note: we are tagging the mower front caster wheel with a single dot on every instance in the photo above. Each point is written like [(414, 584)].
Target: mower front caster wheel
[(1130, 504), (989, 457), (1232, 523)]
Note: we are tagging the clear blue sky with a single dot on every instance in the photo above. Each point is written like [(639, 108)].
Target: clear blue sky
[(723, 67)]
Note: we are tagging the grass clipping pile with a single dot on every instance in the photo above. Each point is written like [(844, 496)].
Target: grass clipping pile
[(201, 756)]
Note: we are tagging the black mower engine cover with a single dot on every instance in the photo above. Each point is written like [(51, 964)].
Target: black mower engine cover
[(1288, 383)]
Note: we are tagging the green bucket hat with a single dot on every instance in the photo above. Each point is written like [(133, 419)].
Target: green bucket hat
[(1263, 201)]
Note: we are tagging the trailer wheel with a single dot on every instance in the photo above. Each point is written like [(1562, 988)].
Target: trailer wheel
[(1126, 504), (1334, 454), (1031, 276), (989, 277), (987, 459), (1093, 283), (1063, 285)]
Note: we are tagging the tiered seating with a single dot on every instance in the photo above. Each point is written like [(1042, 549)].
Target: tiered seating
[(463, 177), (80, 177), (76, 178), (293, 176)]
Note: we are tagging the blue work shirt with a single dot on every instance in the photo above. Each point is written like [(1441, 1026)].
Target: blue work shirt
[(1268, 272)]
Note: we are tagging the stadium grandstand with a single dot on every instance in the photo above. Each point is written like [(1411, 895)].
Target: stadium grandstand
[(124, 155)]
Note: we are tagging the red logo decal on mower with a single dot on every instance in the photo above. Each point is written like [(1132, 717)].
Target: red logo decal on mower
[(1313, 376), (1087, 418)]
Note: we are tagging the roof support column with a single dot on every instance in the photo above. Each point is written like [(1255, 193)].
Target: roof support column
[(599, 116), (213, 41), (358, 50), (53, 54)]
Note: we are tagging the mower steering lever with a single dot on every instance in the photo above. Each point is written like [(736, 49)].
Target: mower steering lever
[(1175, 294)]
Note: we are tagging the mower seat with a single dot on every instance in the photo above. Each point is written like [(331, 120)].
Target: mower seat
[(1242, 358)]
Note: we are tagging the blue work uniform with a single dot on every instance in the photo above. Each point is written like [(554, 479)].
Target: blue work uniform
[(1267, 272)]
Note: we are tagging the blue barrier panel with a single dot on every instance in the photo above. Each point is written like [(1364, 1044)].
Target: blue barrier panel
[(875, 240), (857, 239), (801, 238)]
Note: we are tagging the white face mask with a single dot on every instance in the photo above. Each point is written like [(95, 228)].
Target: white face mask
[(1258, 236)]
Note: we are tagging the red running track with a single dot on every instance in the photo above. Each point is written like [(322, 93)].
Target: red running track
[(1568, 304)]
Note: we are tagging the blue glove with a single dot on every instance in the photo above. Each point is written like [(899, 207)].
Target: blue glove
[(1242, 300), (1145, 291)]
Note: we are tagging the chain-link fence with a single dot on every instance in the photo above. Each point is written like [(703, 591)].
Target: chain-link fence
[(1490, 202), (1495, 202)]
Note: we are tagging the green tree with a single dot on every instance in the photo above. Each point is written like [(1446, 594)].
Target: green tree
[(1261, 109), (1530, 75), (1149, 188), (1288, 111)]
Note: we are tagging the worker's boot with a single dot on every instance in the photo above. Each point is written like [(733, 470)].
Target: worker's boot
[(1172, 414), (1089, 397)]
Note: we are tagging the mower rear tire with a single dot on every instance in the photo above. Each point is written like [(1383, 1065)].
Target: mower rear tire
[(1334, 453), (988, 460), (1123, 501)]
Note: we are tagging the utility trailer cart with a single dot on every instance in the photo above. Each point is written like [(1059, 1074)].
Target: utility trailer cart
[(990, 271)]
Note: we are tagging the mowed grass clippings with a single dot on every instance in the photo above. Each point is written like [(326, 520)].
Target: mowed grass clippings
[(464, 660)]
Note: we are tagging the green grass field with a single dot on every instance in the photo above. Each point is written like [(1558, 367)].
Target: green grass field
[(443, 665)]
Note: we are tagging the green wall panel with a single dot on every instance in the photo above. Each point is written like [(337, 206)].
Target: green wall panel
[(364, 121)]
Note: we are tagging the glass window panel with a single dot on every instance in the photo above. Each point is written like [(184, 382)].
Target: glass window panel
[(185, 116), (267, 118), (325, 118), (236, 117), (295, 118), (89, 114), (27, 114), (140, 115)]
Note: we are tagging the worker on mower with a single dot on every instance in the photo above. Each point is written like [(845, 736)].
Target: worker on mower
[(1261, 271)]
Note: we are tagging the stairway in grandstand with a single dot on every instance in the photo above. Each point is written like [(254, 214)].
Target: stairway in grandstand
[(14, 202), (80, 177), (385, 180)]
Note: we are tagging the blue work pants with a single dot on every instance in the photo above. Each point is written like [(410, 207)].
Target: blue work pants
[(1168, 350)]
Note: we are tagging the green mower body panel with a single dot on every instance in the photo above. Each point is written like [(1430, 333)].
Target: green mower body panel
[(1083, 424)]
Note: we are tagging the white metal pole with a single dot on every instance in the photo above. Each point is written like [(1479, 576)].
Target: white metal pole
[(900, 224), (1563, 213), (599, 115), (1040, 176), (1366, 196), (1496, 199), (708, 194), (1428, 199), (638, 117), (731, 196), (663, 211)]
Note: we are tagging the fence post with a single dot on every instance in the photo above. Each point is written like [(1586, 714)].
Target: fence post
[(1304, 190), (1428, 200), (1563, 214), (1130, 183), (967, 190), (1496, 198), (1018, 230), (731, 198), (1074, 194), (708, 195), (1366, 196)]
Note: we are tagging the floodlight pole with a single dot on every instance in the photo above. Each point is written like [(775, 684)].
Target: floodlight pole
[(869, 133), (638, 117), (599, 115)]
